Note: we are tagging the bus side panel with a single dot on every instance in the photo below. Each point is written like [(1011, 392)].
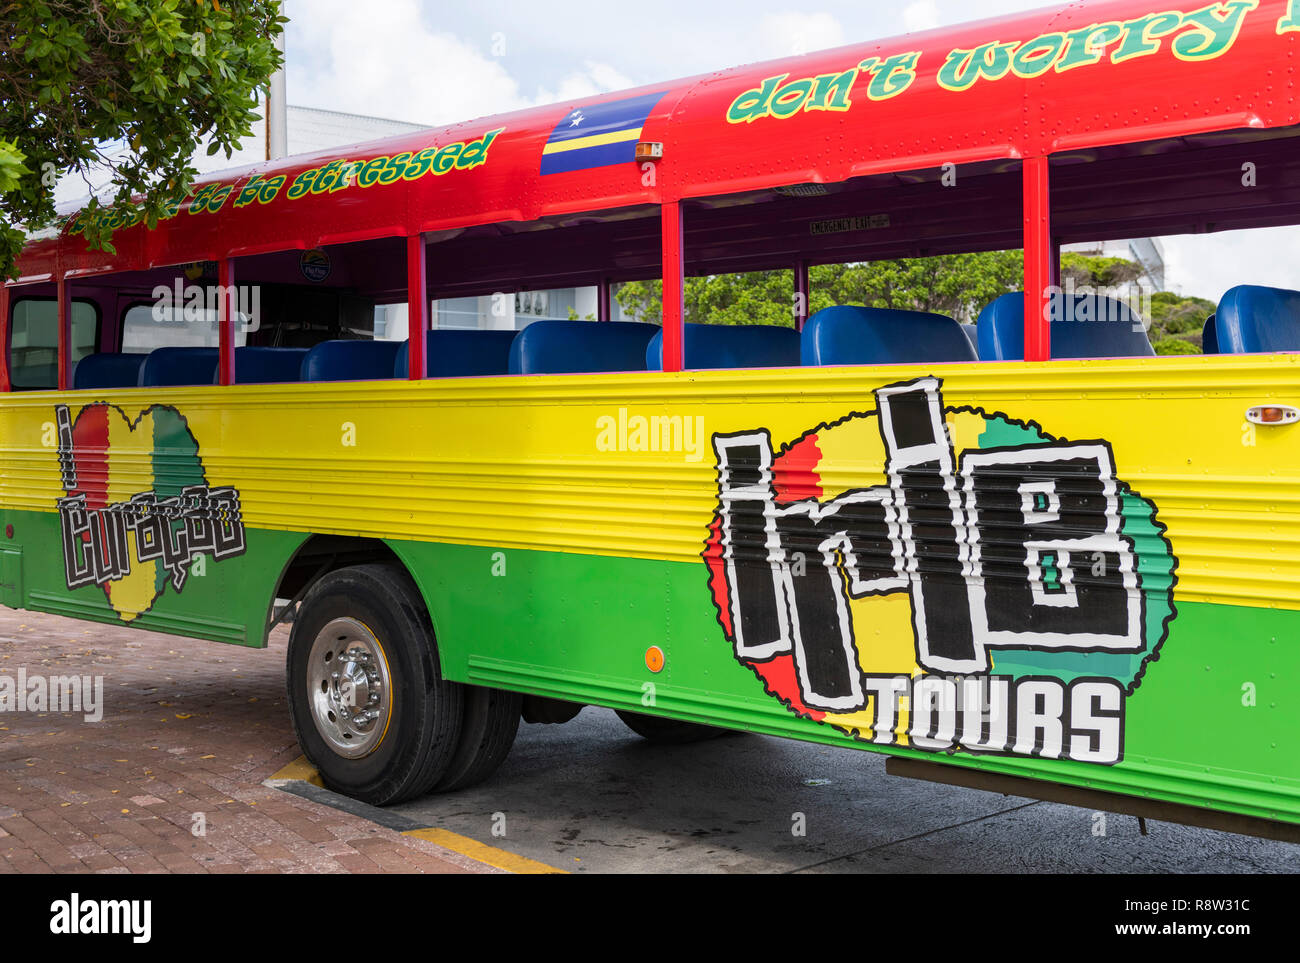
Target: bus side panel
[(1085, 572), (1081, 572), (116, 512), (223, 601)]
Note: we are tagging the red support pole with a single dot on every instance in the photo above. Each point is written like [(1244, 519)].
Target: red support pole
[(64, 338), (602, 300), (417, 307), (1038, 260), (801, 294), (5, 384), (226, 322), (674, 285)]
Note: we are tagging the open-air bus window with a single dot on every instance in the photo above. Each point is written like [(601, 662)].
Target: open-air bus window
[(881, 269), (33, 342), (345, 302), (1184, 235), (536, 297), (333, 313), (1230, 292)]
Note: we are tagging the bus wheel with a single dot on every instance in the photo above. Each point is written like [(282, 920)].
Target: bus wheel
[(369, 705), (486, 734), (667, 731)]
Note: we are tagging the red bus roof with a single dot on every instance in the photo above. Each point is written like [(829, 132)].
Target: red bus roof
[(1060, 79)]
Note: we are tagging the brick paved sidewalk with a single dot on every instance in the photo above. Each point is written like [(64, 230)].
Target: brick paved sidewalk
[(188, 727)]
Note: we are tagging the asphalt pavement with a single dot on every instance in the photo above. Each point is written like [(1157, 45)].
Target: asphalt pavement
[(591, 796)]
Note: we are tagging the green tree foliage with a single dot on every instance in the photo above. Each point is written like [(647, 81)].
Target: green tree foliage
[(135, 86), (1097, 272), (958, 285), (754, 297), (1177, 322), (12, 167), (1176, 346)]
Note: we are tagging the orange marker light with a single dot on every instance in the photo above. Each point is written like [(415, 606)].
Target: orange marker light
[(649, 150), (1273, 415), (654, 658)]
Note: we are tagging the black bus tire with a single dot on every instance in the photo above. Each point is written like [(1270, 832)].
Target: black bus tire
[(667, 731), (487, 732), (362, 643)]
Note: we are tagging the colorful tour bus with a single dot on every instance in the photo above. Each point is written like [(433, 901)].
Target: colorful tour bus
[(1026, 554)]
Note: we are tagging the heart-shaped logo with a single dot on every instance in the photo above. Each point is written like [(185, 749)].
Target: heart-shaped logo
[(138, 509)]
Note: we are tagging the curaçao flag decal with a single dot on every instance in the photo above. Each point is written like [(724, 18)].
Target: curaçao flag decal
[(138, 509), (941, 577), (598, 136)]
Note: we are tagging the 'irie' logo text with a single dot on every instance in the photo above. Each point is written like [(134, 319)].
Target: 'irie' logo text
[(991, 588)]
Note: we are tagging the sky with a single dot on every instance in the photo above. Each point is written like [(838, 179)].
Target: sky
[(438, 62)]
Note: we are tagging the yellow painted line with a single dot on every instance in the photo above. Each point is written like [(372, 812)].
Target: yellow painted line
[(304, 771), (482, 852), (301, 770), (595, 140)]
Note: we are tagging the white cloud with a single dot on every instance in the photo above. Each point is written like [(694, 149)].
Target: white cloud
[(384, 60), (792, 34), (1207, 265), (381, 59), (921, 15), (593, 79)]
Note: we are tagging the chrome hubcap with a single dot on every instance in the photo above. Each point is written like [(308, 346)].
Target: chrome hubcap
[(347, 678)]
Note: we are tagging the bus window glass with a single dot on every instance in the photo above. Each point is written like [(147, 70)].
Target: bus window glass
[(33, 344), (391, 322), (149, 326), (513, 312)]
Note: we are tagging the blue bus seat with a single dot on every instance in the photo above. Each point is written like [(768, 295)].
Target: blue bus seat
[(453, 353), (174, 367), (1209, 337), (1255, 319), (1096, 327), (851, 334), (350, 361), (259, 366), (730, 346), (110, 370), (972, 335), (573, 347)]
